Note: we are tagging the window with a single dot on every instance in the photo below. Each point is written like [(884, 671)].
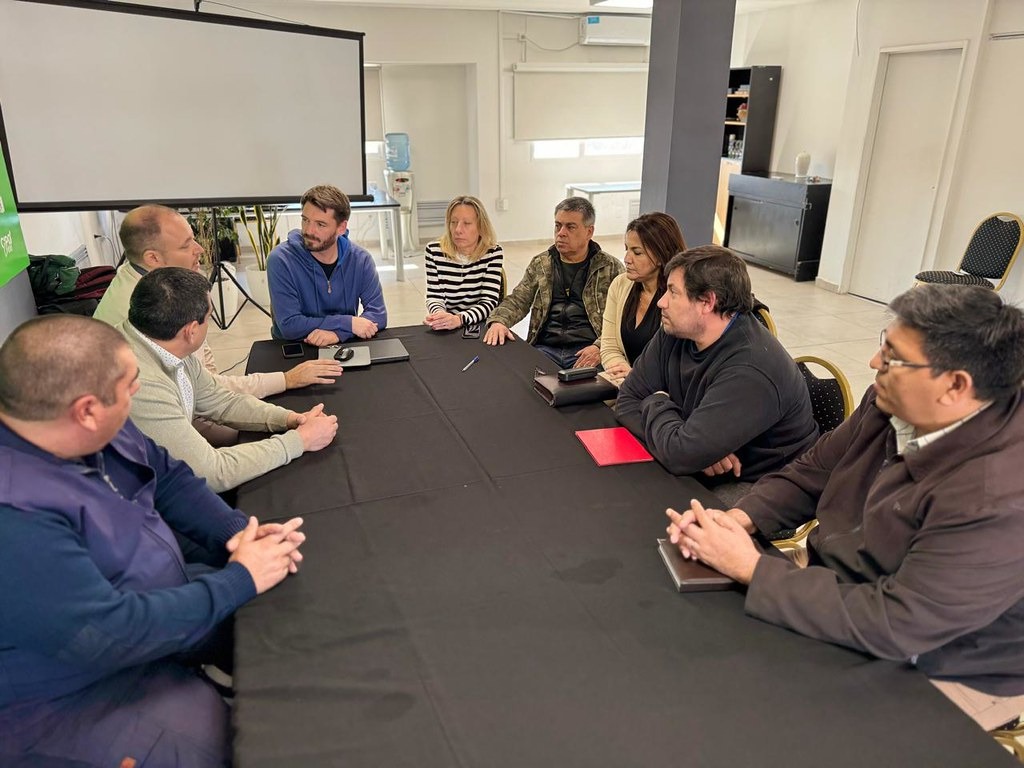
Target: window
[(555, 149), (633, 145)]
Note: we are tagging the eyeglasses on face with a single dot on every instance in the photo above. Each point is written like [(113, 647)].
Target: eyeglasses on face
[(891, 362)]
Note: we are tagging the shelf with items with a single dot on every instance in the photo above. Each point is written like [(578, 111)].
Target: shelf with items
[(748, 126)]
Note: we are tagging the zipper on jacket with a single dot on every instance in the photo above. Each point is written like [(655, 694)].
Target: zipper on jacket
[(328, 285)]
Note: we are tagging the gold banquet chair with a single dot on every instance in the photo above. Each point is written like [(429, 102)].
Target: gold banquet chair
[(831, 404), (990, 254), (831, 397), (764, 317), (1011, 736)]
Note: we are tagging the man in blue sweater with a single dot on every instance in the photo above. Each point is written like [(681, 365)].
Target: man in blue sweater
[(318, 279), (103, 625)]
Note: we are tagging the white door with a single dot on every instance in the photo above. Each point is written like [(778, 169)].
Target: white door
[(913, 122)]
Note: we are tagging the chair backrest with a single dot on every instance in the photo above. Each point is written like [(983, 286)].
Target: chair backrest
[(831, 398), (503, 291), (994, 247), (764, 317)]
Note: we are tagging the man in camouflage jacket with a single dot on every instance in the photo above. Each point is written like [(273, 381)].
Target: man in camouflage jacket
[(564, 290)]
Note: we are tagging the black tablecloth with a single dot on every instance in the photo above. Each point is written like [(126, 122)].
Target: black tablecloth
[(476, 592)]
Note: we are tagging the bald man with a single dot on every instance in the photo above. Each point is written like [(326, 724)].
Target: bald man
[(155, 236)]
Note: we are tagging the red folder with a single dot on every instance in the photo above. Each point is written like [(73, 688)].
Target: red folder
[(615, 445)]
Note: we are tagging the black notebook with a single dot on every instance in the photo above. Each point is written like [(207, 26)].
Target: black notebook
[(691, 575)]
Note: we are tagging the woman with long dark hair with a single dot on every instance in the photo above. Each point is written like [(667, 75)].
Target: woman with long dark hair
[(631, 314)]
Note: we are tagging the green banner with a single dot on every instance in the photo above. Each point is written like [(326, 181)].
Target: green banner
[(13, 255)]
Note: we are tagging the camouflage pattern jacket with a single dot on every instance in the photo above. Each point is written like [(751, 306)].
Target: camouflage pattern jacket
[(533, 294)]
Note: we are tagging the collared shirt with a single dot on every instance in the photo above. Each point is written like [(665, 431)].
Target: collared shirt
[(188, 395), (908, 442)]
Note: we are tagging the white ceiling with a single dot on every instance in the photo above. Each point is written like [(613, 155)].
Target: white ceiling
[(547, 6)]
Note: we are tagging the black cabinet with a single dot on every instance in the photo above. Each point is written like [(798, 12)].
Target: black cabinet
[(778, 221)]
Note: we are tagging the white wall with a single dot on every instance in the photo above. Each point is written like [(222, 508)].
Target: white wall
[(887, 24), (47, 233), (495, 165), (429, 103), (534, 187), (987, 177), (813, 43), (829, 53)]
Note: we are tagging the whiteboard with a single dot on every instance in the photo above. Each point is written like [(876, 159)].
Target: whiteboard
[(109, 105)]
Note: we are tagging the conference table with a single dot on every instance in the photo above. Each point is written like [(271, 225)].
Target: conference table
[(477, 592)]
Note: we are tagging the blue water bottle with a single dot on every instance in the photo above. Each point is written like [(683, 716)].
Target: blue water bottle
[(396, 150)]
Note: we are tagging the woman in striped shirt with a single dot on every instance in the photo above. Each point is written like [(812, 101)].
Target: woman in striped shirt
[(464, 274)]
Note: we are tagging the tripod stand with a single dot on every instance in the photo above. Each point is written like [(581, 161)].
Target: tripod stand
[(217, 276)]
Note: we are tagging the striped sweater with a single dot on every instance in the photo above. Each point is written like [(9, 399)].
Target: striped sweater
[(470, 290)]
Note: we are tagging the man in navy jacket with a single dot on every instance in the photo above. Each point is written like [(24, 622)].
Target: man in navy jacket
[(318, 279), (103, 625)]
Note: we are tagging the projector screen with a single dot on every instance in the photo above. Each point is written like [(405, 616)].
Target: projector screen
[(110, 105)]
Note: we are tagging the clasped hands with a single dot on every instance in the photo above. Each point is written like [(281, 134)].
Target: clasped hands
[(269, 551), (443, 321), (361, 327), (716, 538)]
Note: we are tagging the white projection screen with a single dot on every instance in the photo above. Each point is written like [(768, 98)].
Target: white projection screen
[(109, 105)]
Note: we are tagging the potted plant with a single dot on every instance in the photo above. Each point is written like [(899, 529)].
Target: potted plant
[(263, 240)]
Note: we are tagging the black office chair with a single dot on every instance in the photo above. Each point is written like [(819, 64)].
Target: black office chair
[(989, 256), (831, 404)]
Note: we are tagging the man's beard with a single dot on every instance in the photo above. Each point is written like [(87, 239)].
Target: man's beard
[(320, 245)]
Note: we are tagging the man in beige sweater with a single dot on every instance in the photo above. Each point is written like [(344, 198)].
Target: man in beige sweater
[(168, 319), (155, 236)]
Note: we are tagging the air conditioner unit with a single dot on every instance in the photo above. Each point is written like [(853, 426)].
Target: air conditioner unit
[(615, 30)]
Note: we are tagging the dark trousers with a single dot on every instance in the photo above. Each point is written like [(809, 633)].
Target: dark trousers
[(162, 715)]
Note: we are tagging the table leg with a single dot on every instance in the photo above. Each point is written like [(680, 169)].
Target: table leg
[(396, 228)]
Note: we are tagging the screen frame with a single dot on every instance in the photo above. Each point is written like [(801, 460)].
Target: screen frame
[(199, 201)]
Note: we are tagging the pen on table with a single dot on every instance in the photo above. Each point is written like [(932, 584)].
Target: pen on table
[(474, 360)]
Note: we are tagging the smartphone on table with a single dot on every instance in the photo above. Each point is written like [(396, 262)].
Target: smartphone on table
[(293, 349)]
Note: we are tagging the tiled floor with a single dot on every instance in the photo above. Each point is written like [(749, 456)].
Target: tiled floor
[(840, 328)]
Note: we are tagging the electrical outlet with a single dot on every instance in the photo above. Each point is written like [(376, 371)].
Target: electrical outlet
[(502, 204)]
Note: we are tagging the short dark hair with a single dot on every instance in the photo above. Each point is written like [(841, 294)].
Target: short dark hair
[(168, 299), (713, 269), (967, 328), (329, 198), (141, 230), (49, 362), (579, 205)]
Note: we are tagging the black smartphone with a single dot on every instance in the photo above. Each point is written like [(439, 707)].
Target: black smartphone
[(471, 331), (293, 350), (575, 374)]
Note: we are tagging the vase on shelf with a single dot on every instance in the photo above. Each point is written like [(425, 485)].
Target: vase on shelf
[(802, 165)]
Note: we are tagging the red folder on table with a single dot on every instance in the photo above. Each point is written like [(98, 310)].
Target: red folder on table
[(615, 445)]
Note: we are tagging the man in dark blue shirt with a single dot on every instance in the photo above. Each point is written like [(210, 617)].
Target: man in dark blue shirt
[(103, 623)]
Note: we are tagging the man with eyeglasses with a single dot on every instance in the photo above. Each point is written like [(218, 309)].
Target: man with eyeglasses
[(919, 497)]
